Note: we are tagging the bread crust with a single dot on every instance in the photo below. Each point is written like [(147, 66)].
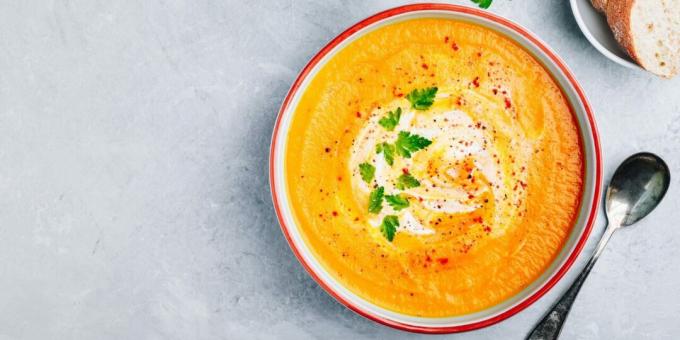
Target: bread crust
[(600, 5), (619, 19)]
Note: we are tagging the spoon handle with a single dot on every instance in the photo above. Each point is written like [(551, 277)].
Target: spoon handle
[(550, 326)]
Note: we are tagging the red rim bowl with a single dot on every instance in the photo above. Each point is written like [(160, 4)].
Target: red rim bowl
[(592, 174)]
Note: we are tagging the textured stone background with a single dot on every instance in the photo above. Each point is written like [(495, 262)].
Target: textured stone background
[(134, 200)]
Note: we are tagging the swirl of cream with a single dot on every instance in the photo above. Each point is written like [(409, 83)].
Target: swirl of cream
[(458, 172)]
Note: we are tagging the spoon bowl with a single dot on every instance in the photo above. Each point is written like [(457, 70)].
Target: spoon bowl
[(637, 187)]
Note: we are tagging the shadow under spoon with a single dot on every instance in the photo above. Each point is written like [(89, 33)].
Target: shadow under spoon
[(637, 187)]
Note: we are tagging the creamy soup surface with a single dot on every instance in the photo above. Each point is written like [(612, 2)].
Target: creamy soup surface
[(434, 167)]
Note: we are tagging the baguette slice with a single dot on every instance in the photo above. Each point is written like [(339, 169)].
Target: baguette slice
[(649, 31), (600, 5)]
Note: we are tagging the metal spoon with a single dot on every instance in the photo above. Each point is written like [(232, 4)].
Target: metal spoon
[(636, 188)]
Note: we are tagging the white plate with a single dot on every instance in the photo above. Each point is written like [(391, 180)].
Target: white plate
[(594, 26)]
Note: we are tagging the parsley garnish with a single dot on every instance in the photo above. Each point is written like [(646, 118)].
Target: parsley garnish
[(483, 3), (375, 200), (367, 172), (388, 151), (389, 227), (397, 202), (422, 99), (407, 143), (390, 121), (406, 181)]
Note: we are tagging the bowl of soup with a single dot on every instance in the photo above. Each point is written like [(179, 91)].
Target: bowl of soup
[(436, 168)]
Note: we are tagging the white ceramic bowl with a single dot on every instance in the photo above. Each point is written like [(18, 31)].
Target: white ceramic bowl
[(581, 228), (594, 26)]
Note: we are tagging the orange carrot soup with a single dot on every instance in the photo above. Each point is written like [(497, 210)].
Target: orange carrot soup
[(434, 167)]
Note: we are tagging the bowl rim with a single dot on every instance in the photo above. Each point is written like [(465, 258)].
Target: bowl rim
[(595, 42), (581, 99)]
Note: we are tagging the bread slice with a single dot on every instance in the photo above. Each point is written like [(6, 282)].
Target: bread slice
[(649, 30), (600, 5)]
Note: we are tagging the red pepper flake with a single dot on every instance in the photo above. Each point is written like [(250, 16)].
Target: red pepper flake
[(475, 82), (340, 178), (459, 101), (327, 149), (487, 229), (335, 213), (424, 66), (358, 114), (508, 104), (443, 260), (478, 219), (524, 185), (454, 46), (405, 171), (479, 54), (420, 199), (471, 196), (495, 91), (428, 258), (446, 39)]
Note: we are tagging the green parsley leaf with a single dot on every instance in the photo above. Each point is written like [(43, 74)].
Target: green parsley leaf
[(483, 3), (389, 226), (375, 200), (391, 120), (367, 172), (407, 143), (422, 99), (397, 202), (406, 181), (388, 151)]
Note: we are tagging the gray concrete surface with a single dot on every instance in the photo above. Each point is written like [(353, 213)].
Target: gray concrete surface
[(134, 200)]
